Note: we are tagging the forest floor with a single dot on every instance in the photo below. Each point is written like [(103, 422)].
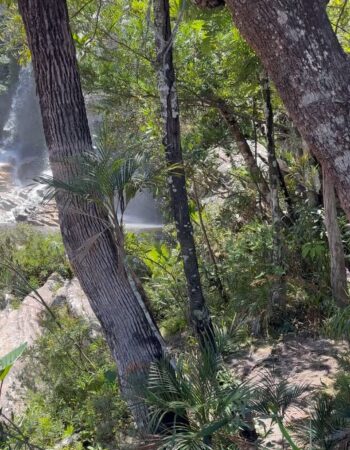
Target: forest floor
[(298, 359)]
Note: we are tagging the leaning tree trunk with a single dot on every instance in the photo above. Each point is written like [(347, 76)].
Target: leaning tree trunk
[(96, 261), (298, 47), (245, 150), (199, 314), (336, 248), (278, 284)]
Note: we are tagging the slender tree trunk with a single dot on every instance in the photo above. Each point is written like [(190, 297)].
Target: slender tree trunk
[(96, 260), (336, 249), (251, 162), (218, 281), (245, 150), (199, 313), (312, 178), (297, 45), (278, 285)]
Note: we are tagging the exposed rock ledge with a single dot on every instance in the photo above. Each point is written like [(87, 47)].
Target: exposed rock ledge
[(23, 325)]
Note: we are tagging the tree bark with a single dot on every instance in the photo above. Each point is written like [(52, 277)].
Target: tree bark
[(218, 281), (251, 163), (245, 150), (91, 248), (336, 248), (296, 43), (278, 284), (199, 313)]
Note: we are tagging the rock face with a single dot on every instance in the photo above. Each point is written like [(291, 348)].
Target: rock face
[(23, 325), (24, 204), (74, 298)]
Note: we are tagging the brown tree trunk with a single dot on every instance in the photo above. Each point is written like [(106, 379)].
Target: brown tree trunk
[(296, 43), (96, 260), (199, 313), (336, 249)]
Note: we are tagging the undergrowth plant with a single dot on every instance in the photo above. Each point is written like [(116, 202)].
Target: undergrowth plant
[(11, 436), (71, 390), (33, 254), (207, 405)]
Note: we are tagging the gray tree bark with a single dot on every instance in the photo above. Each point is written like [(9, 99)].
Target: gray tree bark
[(250, 161), (91, 247), (278, 284), (296, 43), (199, 313), (336, 248), (245, 150)]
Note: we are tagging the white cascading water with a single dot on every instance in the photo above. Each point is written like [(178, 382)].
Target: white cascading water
[(23, 156)]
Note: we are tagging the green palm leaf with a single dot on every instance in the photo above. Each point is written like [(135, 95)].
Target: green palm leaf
[(7, 361)]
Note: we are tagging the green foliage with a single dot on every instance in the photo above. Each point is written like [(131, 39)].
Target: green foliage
[(30, 255), (272, 398), (115, 48), (163, 277), (9, 432), (7, 361), (327, 427), (106, 179), (199, 395), (71, 390), (338, 325)]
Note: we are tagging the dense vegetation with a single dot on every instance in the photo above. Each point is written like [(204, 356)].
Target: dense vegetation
[(271, 248)]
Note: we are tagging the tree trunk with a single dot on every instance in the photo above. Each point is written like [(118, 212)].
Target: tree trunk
[(296, 43), (278, 284), (94, 256), (217, 277), (250, 160), (199, 313), (336, 249), (245, 150)]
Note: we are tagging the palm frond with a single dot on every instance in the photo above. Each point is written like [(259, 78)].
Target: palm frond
[(103, 178), (273, 397), (338, 326), (194, 393), (324, 426)]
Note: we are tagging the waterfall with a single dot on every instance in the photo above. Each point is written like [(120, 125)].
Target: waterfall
[(23, 147), (23, 156)]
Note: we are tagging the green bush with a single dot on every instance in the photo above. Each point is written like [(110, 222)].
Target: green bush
[(70, 388), (29, 257), (163, 277)]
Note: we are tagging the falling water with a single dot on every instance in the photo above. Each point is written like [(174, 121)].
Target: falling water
[(23, 144), (23, 156)]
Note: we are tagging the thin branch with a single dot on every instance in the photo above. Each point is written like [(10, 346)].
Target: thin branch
[(96, 23), (123, 44), (80, 9), (342, 12)]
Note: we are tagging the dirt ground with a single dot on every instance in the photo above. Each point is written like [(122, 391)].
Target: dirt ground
[(299, 360)]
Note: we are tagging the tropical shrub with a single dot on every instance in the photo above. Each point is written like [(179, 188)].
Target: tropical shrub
[(71, 388), (28, 257)]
